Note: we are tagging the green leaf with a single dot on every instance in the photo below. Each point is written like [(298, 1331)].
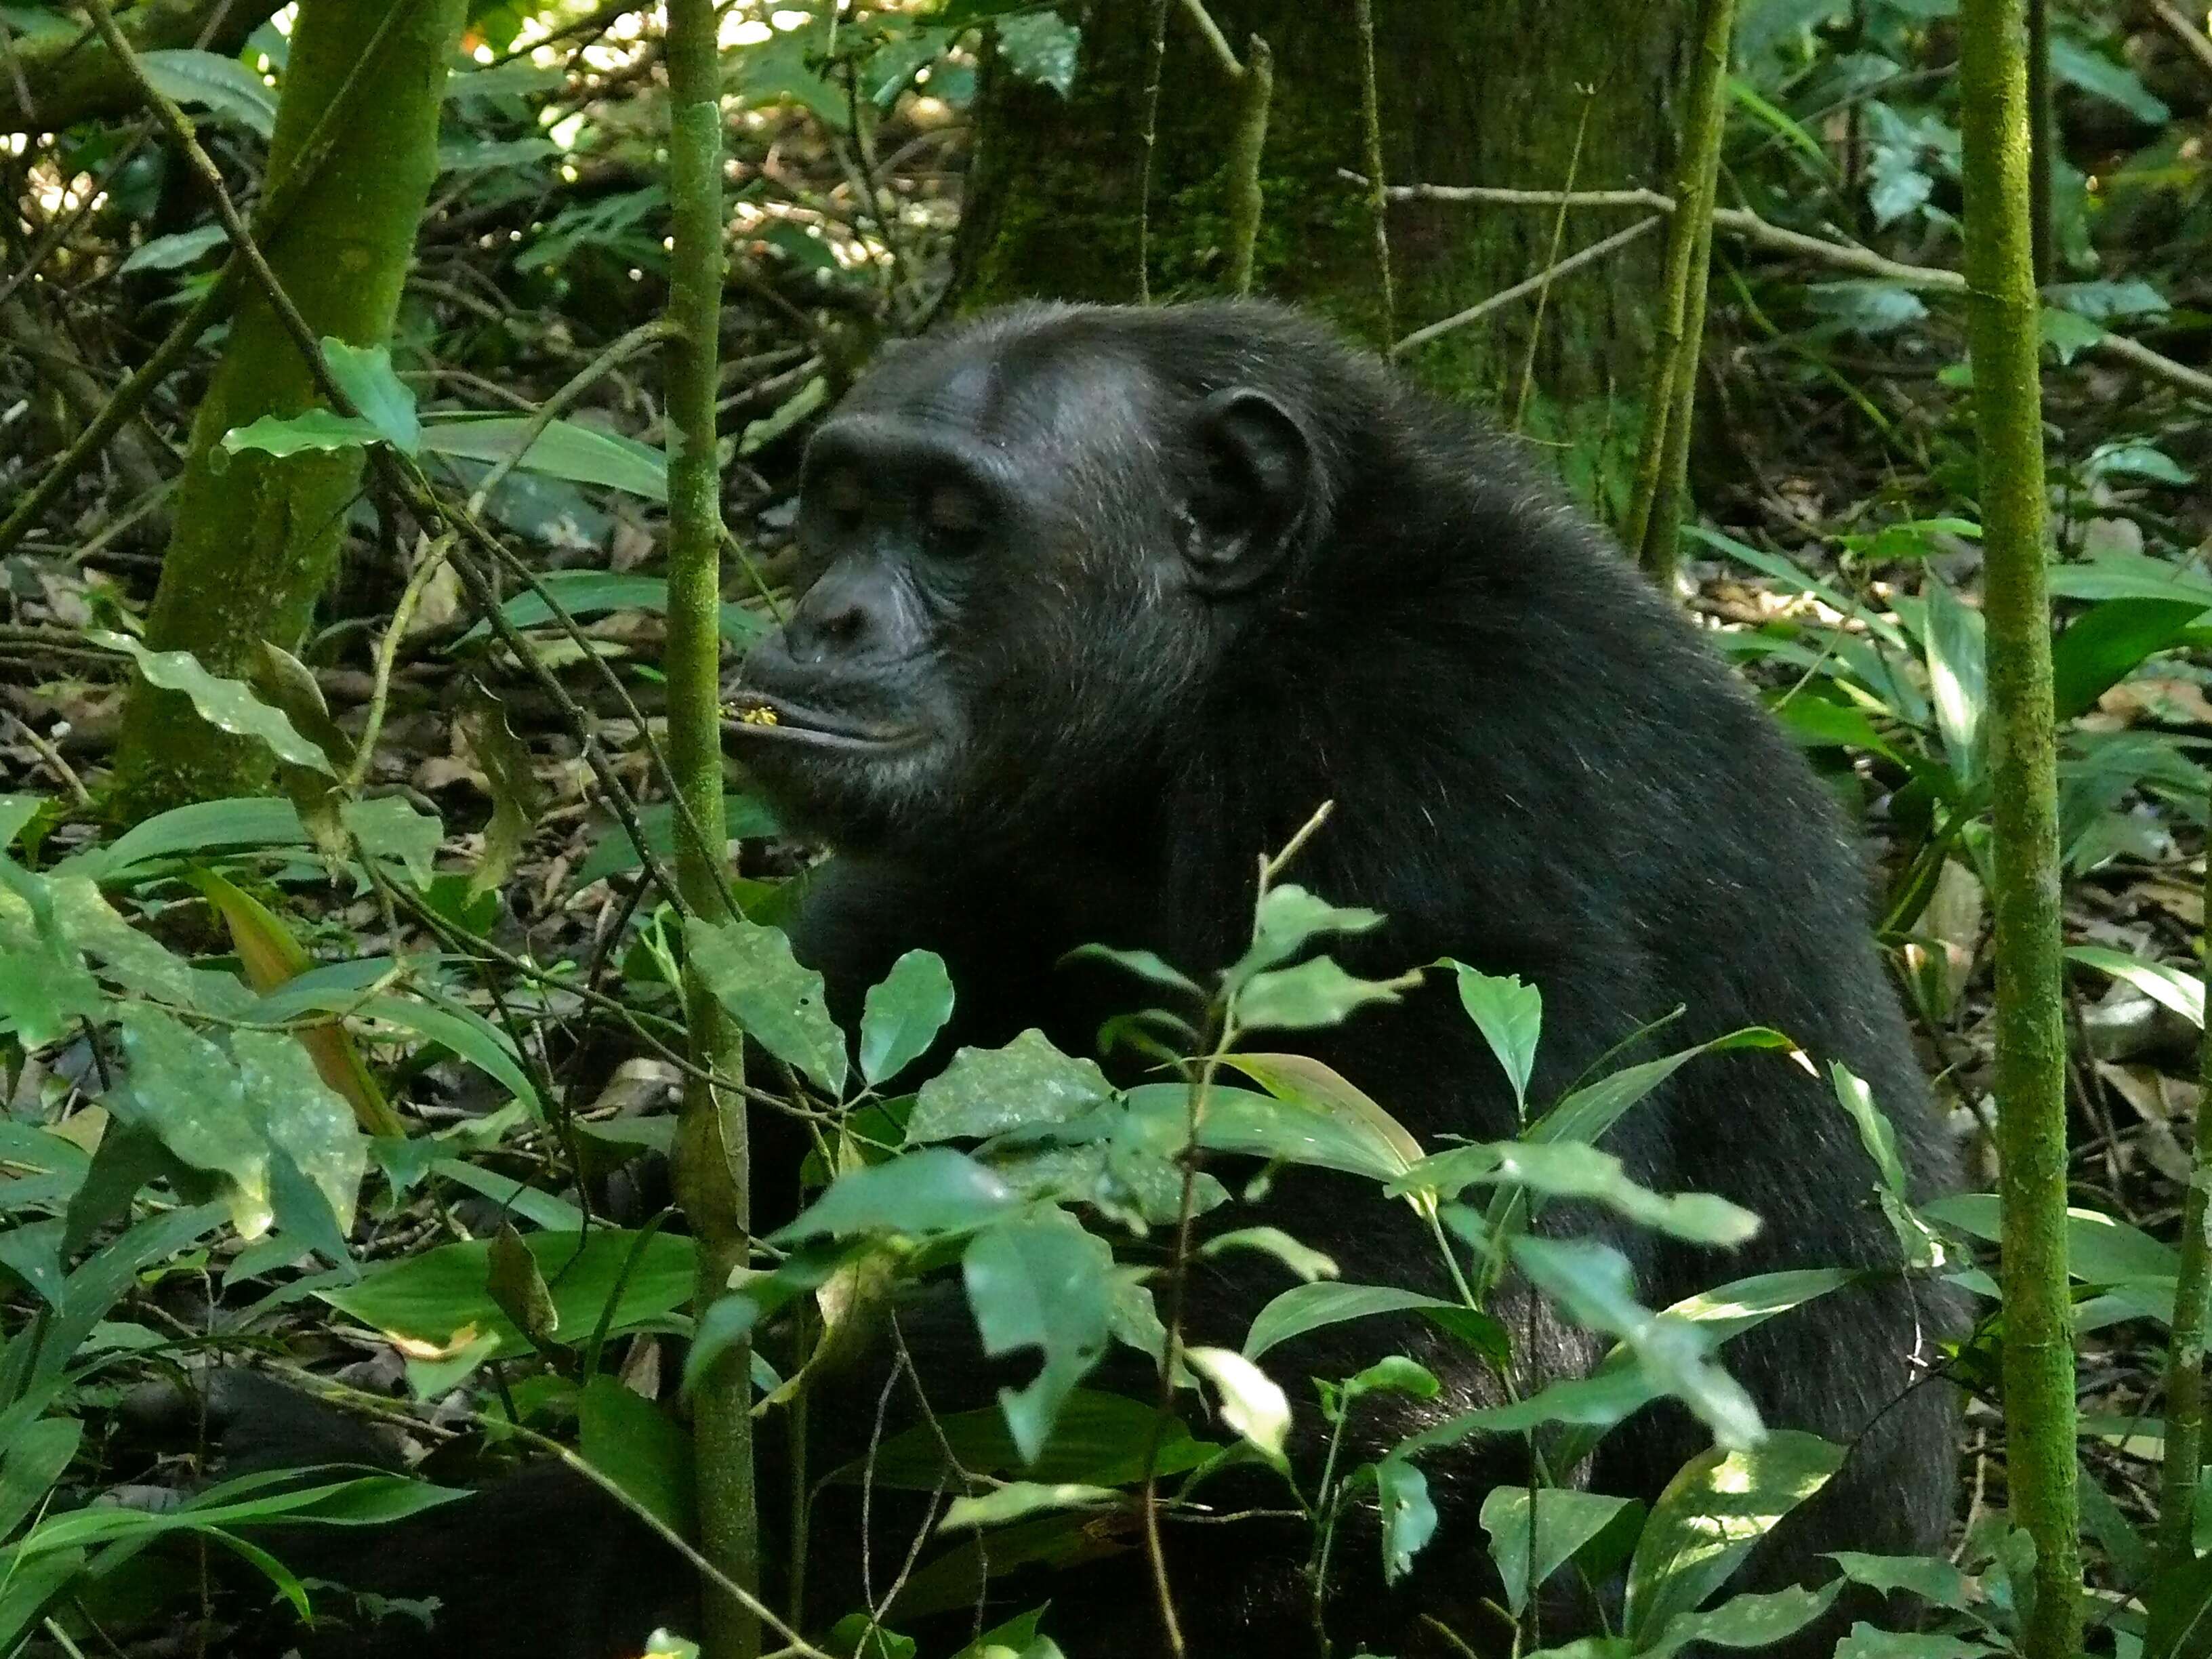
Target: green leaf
[(1596, 1286), (1252, 1403), (777, 1003), (512, 1277), (1712, 1512), (1746, 1621), (987, 1091), (2105, 644), (226, 705), (30, 1464), (903, 1014), (638, 1446), (935, 1190), (1313, 994), (1040, 1284), (1928, 1576), (1019, 1499), (1527, 1555), (180, 248), (1957, 676), (304, 1117), (759, 434), (1040, 47), (1306, 1308), (2100, 1250), (445, 1292), (318, 430), (1571, 1169), (1865, 1642), (564, 449), (364, 375), (1288, 919), (1308, 1263), (222, 85), (1409, 1514), (2101, 77), (1867, 306), (1510, 1017), (2184, 993)]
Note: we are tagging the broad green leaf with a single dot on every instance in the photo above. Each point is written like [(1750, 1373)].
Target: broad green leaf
[(1040, 47), (1019, 1499), (2105, 644), (1040, 1284), (777, 1003), (180, 248), (2099, 76), (1289, 918), (1928, 1576), (317, 431), (444, 1294), (1307, 1308), (1314, 994), (564, 449), (1409, 1514), (987, 1091), (1529, 1554), (1712, 1512), (2100, 1250), (1958, 676), (1099, 1440), (1259, 1126), (188, 1092), (1744, 1621), (1308, 1263), (1301, 1080), (1571, 1169), (1596, 1286), (903, 1014), (1510, 1017), (2184, 993), (303, 1116), (1252, 1403), (206, 80), (632, 1441), (1865, 1642), (387, 403), (30, 1463), (226, 705), (935, 1190)]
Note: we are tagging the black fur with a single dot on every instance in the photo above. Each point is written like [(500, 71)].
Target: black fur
[(1166, 624)]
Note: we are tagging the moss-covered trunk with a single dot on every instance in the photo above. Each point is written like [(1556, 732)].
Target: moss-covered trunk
[(256, 538), (1488, 93)]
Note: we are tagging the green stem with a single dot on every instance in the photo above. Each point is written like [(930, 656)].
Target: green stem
[(1682, 309), (711, 1171), (2004, 345), (2185, 1375)]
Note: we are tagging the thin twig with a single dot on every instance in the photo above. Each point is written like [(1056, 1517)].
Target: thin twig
[(1573, 262)]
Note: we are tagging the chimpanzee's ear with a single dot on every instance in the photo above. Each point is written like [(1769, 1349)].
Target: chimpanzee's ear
[(1255, 479)]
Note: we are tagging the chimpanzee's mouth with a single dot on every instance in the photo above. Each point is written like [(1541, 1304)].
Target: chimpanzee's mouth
[(754, 714)]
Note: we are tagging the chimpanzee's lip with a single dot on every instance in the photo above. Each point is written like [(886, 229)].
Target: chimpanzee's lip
[(765, 715)]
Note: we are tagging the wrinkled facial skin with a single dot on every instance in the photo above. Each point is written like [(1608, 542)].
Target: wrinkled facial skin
[(1012, 555)]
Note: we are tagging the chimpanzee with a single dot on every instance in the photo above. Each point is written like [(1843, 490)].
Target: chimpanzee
[(1101, 605)]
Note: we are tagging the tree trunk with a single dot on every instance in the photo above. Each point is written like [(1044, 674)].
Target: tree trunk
[(1488, 95), (256, 537)]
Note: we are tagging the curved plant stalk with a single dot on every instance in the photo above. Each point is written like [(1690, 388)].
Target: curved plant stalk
[(1655, 514), (711, 1164), (2005, 345), (2184, 1375)]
